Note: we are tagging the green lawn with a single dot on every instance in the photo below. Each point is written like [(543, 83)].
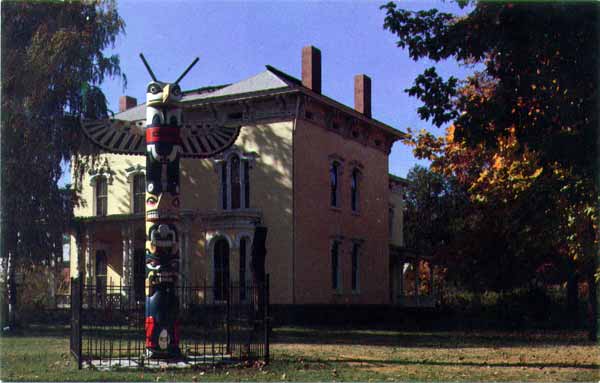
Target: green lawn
[(344, 355)]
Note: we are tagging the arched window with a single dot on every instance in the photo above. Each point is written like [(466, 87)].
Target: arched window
[(221, 269), (235, 182), (333, 179), (101, 196), (354, 189), (139, 193)]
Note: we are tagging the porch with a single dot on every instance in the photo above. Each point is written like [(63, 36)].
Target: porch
[(414, 278)]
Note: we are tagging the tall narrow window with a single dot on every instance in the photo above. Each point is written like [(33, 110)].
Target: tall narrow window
[(221, 267), (355, 264), (139, 193), (243, 294), (247, 183), (333, 175), (354, 190), (101, 196), (235, 181), (101, 271), (335, 265), (224, 185)]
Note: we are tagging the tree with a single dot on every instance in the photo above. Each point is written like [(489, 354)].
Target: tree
[(524, 128), (53, 60)]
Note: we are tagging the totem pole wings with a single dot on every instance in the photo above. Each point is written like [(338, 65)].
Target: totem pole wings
[(127, 137), (201, 140)]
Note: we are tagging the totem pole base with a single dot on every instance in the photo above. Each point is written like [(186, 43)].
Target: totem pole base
[(171, 355)]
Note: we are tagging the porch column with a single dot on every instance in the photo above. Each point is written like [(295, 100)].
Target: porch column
[(127, 277), (89, 270), (130, 253), (417, 274)]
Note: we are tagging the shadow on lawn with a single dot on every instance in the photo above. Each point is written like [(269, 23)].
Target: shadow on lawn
[(454, 339), (462, 364)]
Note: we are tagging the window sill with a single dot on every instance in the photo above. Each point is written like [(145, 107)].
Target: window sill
[(336, 209), (355, 292), (356, 213)]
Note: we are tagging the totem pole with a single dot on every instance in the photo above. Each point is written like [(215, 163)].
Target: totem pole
[(163, 146), (167, 140)]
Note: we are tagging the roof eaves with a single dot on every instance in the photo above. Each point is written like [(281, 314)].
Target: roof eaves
[(240, 96), (389, 129), (292, 81)]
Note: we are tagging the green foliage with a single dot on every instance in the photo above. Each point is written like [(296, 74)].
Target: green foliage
[(53, 59)]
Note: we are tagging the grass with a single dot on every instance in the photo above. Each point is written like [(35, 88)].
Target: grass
[(303, 354)]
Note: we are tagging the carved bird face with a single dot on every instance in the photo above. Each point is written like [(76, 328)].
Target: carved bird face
[(159, 93)]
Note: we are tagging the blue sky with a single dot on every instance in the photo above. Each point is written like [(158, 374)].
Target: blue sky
[(236, 39)]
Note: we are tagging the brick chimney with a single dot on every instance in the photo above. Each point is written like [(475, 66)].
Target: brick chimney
[(126, 102), (311, 68), (362, 94)]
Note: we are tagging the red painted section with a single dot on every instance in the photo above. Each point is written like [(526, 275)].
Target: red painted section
[(166, 134), (149, 331)]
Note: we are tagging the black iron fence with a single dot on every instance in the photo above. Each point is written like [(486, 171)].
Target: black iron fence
[(228, 324)]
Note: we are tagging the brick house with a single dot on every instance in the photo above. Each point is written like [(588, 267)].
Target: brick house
[(310, 169)]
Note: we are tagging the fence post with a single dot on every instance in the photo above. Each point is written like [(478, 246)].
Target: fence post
[(266, 316)]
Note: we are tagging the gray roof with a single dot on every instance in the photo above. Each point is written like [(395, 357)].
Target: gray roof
[(263, 81)]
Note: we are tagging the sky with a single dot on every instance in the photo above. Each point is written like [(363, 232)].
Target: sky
[(236, 39)]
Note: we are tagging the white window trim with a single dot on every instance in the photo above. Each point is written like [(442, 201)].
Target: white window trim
[(94, 184)]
